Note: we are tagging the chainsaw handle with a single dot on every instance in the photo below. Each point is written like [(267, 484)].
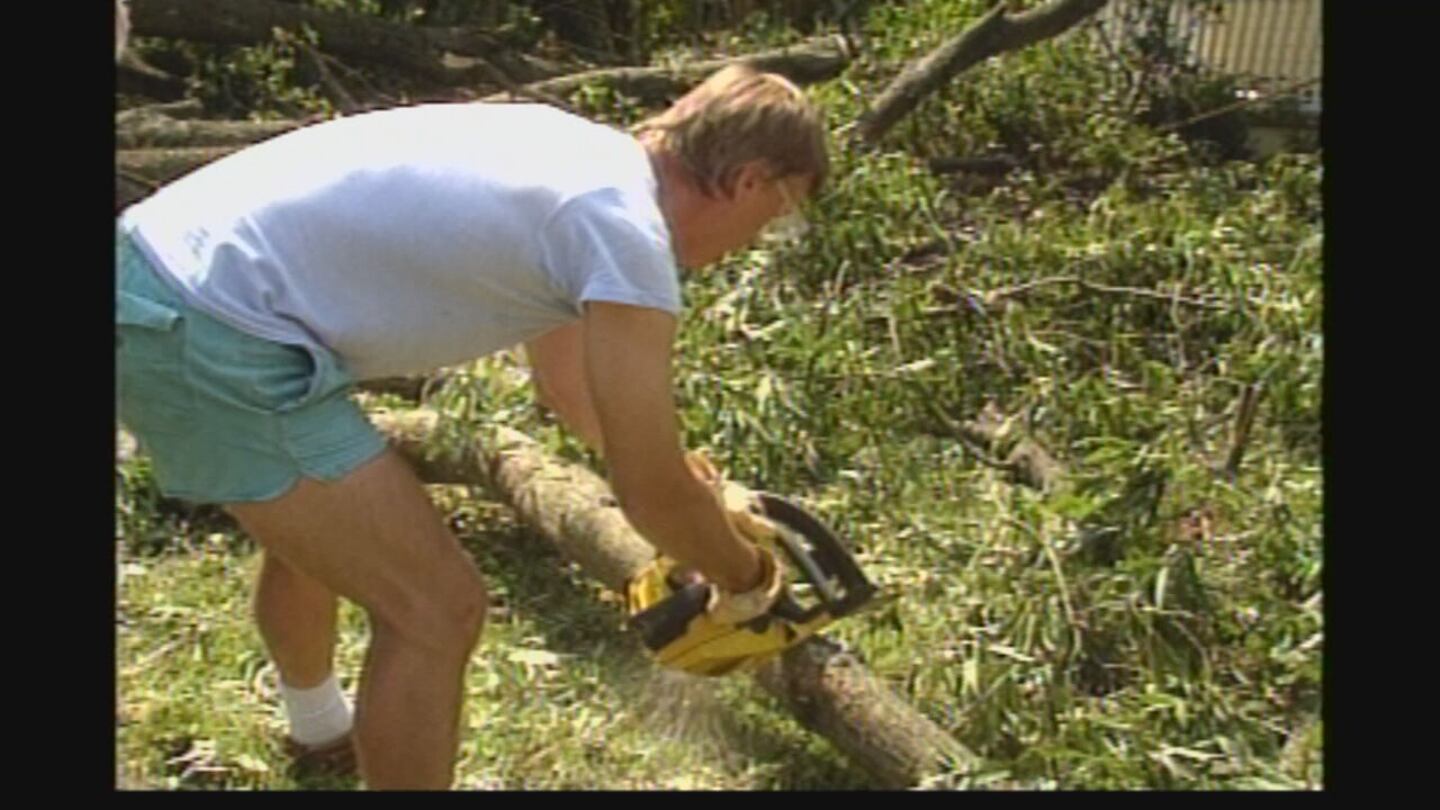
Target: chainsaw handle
[(667, 620)]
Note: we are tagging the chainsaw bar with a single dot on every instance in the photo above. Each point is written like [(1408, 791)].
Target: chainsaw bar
[(818, 554)]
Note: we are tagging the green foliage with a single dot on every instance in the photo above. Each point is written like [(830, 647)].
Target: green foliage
[(1150, 623), (257, 82)]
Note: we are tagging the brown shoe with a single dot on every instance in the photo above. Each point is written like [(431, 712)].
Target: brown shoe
[(336, 758)]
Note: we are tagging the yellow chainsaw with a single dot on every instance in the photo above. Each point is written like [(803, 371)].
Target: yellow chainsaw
[(824, 583)]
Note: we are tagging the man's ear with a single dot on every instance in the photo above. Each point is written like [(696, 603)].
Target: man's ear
[(750, 176)]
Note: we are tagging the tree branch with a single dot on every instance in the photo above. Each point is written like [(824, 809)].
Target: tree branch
[(175, 110), (807, 62), (332, 86), (995, 33), (156, 167), (1240, 435), (133, 75), (994, 296), (156, 131), (438, 54)]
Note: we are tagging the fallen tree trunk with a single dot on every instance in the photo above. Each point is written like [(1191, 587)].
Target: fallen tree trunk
[(804, 63), (186, 146), (159, 131), (827, 689), (995, 33), (163, 165), (450, 56), (176, 110), (140, 172)]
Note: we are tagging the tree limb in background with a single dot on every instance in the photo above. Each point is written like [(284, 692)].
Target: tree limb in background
[(176, 110), (158, 149), (446, 55), (995, 33), (807, 62), (989, 435), (161, 132), (145, 170), (332, 87), (122, 28)]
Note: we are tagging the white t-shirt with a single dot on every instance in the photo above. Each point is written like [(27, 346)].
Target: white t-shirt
[(413, 238)]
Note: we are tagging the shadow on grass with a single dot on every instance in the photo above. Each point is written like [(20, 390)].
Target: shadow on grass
[(321, 781)]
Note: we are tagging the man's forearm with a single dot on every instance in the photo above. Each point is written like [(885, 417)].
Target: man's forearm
[(690, 528)]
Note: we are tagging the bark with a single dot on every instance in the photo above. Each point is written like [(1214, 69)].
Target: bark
[(177, 110), (145, 170), (451, 56), (162, 132), (163, 165), (827, 688), (134, 77), (814, 60), (1027, 460), (1240, 434), (995, 33), (153, 150)]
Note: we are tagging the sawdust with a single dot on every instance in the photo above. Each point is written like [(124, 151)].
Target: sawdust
[(687, 710)]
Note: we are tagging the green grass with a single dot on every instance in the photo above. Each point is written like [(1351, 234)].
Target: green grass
[(1150, 623), (558, 696)]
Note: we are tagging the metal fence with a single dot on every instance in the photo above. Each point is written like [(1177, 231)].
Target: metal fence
[(1273, 46)]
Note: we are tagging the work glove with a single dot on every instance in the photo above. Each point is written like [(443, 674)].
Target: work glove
[(739, 503), (742, 511)]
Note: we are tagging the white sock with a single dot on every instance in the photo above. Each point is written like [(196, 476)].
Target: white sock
[(317, 715)]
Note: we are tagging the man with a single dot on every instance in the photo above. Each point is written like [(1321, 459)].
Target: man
[(255, 291)]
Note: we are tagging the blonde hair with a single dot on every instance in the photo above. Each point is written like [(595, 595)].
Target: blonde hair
[(737, 115)]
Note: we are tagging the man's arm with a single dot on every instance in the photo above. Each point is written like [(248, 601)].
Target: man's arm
[(557, 365), (627, 365)]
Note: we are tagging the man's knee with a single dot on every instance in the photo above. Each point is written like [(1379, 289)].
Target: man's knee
[(470, 606), (443, 617)]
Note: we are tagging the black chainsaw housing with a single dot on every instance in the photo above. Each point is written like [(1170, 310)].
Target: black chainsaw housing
[(825, 567)]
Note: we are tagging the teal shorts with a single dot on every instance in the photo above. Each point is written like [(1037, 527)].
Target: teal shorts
[(224, 416)]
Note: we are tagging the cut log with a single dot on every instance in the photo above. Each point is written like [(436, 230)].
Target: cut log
[(826, 687), (995, 33), (808, 62), (447, 55)]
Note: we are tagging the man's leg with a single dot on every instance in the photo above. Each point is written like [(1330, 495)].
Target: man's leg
[(296, 616), (375, 538)]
